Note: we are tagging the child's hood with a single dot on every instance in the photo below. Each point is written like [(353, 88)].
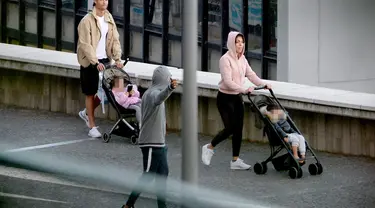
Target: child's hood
[(161, 78)]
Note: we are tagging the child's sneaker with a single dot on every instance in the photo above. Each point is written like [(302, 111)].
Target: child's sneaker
[(239, 165), (207, 154), (82, 114), (94, 132)]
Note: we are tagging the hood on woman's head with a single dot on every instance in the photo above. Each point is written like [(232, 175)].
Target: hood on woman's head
[(231, 42)]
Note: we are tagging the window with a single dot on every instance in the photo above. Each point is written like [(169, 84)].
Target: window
[(68, 4), (273, 25), (175, 21), (214, 21), (158, 12), (31, 1), (136, 12), (118, 8)]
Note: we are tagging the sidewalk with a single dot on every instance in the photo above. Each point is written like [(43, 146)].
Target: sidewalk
[(345, 182)]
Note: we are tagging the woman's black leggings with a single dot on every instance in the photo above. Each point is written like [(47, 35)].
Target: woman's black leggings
[(231, 109)]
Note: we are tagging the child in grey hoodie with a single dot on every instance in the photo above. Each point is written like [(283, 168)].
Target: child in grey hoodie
[(152, 134)]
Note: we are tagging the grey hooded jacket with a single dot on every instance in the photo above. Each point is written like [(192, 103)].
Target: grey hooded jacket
[(153, 110)]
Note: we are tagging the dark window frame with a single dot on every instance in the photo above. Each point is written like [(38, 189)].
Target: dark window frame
[(147, 29)]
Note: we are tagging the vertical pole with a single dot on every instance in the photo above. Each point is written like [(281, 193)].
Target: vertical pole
[(145, 35), (165, 34), (204, 54), (58, 25), (4, 28), (245, 23), (265, 37), (77, 5), (21, 26), (189, 97), (110, 6), (39, 23), (224, 25), (126, 29)]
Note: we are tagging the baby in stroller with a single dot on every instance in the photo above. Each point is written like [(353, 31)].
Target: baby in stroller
[(278, 118), (128, 97)]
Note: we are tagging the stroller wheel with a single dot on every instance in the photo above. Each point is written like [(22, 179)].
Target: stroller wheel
[(313, 169), (106, 137), (320, 168), (300, 173), (133, 139), (265, 168), (260, 168), (293, 173)]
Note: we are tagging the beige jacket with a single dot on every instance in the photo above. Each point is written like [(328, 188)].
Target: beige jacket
[(89, 35)]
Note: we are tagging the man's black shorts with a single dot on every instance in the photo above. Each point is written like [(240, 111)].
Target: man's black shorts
[(89, 77)]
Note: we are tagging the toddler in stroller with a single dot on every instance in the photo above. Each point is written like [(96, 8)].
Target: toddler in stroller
[(278, 118), (281, 132), (129, 98), (113, 83)]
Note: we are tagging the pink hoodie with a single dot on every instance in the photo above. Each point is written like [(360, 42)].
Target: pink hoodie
[(124, 100), (234, 70)]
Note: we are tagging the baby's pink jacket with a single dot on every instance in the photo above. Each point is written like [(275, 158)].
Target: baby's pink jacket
[(124, 100)]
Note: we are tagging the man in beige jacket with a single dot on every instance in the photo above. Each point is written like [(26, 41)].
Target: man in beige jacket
[(98, 44)]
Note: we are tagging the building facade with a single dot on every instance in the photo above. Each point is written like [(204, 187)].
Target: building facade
[(314, 42), (328, 43)]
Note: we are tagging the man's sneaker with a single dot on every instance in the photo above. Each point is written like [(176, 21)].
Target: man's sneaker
[(207, 154), (82, 114), (239, 165), (94, 133)]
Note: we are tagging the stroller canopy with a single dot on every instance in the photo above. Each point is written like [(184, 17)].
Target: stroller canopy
[(263, 100), (110, 74)]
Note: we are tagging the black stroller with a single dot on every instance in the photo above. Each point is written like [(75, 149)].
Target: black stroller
[(122, 127), (277, 143)]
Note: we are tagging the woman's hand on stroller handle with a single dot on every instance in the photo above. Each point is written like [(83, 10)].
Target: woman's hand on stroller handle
[(251, 89), (260, 87)]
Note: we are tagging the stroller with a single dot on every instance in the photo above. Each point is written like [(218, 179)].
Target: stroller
[(286, 161), (122, 127)]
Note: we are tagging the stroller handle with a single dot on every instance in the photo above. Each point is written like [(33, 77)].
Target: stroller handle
[(108, 66), (262, 87)]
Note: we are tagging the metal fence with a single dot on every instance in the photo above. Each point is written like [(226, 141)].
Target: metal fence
[(52, 24)]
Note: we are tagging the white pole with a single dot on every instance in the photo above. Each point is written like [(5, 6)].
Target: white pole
[(189, 97)]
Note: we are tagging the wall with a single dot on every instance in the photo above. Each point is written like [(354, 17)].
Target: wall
[(324, 132), (328, 43)]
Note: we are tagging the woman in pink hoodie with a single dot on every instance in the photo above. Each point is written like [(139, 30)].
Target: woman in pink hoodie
[(233, 69), (128, 97)]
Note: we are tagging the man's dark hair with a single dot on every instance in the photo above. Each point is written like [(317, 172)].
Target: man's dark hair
[(93, 4), (271, 107)]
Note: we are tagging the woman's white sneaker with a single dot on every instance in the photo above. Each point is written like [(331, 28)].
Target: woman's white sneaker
[(207, 154), (82, 114), (239, 165), (94, 132)]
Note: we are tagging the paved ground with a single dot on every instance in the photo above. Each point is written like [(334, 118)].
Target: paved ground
[(346, 181)]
